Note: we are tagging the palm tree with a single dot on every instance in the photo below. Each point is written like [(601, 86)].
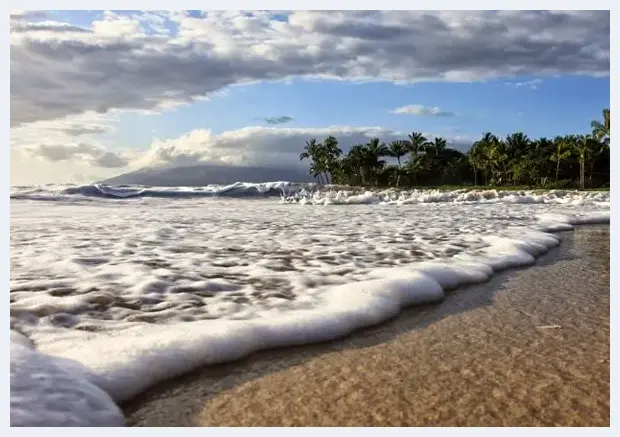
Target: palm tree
[(488, 147), (356, 159), (438, 145), (597, 148), (540, 150), (416, 143), (398, 149), (330, 153), (563, 150), (600, 130), (517, 144), (454, 164), (475, 157), (414, 166), (375, 149), (434, 159), (497, 156), (582, 147), (312, 151), (315, 172), (309, 150), (517, 159)]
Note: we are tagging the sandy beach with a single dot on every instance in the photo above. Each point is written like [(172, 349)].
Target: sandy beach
[(528, 348)]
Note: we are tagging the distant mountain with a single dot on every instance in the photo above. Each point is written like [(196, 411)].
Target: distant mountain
[(207, 174)]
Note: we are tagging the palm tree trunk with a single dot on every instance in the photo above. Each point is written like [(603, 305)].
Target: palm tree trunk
[(557, 171), (582, 173), (475, 177), (591, 171)]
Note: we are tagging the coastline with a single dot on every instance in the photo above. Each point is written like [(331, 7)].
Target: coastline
[(490, 354)]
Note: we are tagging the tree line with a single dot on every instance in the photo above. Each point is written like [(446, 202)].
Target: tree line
[(578, 161)]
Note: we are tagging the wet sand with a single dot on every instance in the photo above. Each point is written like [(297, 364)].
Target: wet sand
[(528, 348)]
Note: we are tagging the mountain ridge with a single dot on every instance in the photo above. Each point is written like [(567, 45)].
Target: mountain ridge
[(207, 174)]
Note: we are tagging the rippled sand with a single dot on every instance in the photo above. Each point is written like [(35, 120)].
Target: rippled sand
[(528, 348)]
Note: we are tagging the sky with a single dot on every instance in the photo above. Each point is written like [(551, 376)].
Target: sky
[(95, 94)]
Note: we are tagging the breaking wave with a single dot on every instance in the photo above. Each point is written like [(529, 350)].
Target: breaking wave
[(296, 193), (101, 191)]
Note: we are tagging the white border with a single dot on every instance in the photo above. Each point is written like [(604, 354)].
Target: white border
[(313, 5), (614, 304)]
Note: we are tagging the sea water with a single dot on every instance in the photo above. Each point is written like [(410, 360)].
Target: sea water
[(114, 289)]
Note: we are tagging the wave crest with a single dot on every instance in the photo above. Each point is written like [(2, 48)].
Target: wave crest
[(296, 193), (238, 189)]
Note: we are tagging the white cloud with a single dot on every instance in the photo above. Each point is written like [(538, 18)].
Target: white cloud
[(253, 145), (531, 84), (263, 146), (91, 154), (421, 110), (80, 178), (69, 139), (27, 171), (64, 129), (134, 61)]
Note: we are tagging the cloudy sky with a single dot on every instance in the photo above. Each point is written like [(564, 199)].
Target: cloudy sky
[(96, 94)]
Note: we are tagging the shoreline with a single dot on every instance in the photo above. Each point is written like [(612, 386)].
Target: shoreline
[(181, 401)]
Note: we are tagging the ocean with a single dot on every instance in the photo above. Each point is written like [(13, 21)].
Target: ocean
[(114, 289)]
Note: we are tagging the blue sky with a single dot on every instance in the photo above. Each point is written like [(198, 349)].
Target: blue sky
[(110, 92), (557, 106)]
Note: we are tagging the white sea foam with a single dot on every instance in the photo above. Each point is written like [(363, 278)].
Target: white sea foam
[(141, 290), (55, 391)]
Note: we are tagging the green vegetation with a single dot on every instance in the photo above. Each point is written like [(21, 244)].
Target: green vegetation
[(570, 161)]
